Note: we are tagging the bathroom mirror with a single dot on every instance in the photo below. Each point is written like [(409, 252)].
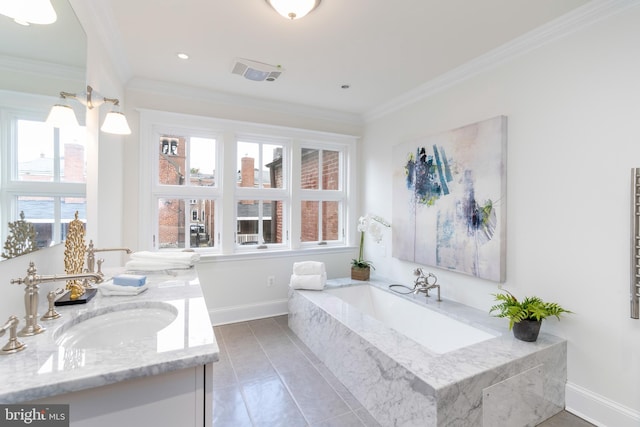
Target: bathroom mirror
[(37, 62)]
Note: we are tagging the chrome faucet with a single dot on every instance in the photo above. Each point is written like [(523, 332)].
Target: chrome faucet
[(424, 283), (91, 257), (31, 282)]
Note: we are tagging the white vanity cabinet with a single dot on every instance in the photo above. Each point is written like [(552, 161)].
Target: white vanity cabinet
[(180, 398)]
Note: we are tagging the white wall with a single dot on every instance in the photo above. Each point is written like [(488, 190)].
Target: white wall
[(573, 135)]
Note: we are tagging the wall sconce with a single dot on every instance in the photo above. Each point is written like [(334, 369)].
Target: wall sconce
[(62, 115), (26, 12), (293, 9)]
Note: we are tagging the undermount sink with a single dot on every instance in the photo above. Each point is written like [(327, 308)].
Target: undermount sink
[(116, 326)]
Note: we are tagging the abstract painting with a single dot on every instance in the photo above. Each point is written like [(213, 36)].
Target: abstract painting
[(449, 201)]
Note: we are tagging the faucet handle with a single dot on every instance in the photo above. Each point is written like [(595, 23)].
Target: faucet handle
[(99, 262), (52, 313), (433, 277), (13, 345)]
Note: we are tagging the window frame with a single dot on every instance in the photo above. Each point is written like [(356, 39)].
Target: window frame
[(16, 107), (186, 193), (227, 134), (321, 195), (262, 194)]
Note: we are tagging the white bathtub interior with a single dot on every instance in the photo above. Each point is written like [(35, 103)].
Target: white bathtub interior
[(437, 332)]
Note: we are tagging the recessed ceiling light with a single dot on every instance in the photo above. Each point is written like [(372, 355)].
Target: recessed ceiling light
[(183, 55)]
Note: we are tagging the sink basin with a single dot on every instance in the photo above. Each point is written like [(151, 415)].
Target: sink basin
[(116, 326)]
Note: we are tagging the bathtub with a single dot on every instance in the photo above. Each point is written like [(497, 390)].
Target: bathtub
[(436, 332), (411, 361)]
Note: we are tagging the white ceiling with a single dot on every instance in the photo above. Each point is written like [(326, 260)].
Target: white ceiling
[(382, 49)]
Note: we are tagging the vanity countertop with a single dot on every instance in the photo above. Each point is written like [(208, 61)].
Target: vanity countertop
[(45, 369)]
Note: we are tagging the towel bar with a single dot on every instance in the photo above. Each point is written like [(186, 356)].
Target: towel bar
[(635, 244)]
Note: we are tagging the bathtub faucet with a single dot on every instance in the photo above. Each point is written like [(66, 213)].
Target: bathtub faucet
[(425, 282)]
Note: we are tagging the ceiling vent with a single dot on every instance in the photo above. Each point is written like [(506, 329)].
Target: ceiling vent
[(256, 71)]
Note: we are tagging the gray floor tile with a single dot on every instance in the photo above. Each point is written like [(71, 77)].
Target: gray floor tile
[(229, 409), (347, 420), (275, 341), (302, 346), (235, 330), (282, 320), (223, 374), (270, 404), (345, 394), (315, 397), (565, 419), (285, 360), (252, 366)]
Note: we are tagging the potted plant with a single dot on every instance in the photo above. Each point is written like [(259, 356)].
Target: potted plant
[(525, 317), (360, 268)]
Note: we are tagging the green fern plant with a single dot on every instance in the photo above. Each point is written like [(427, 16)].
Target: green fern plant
[(530, 308)]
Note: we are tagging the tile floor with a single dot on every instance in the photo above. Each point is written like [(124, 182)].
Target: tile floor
[(267, 377)]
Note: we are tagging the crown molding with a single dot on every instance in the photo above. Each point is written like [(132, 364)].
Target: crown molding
[(208, 95), (589, 14)]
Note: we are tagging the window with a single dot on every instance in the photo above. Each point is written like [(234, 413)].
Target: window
[(322, 195), (232, 187), (261, 192), (185, 191), (43, 172)]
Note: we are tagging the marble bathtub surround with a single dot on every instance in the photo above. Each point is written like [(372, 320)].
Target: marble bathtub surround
[(46, 369), (402, 383)]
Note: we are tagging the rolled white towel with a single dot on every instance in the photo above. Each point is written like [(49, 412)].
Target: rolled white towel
[(109, 289), (314, 282), (308, 267)]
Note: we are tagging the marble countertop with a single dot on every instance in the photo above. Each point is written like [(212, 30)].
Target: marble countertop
[(46, 369)]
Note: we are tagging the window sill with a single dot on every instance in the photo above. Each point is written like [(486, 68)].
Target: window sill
[(285, 253)]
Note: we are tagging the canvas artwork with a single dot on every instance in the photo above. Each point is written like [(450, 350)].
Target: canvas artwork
[(449, 201)]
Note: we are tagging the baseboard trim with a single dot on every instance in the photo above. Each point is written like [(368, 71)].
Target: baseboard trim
[(242, 313), (598, 409)]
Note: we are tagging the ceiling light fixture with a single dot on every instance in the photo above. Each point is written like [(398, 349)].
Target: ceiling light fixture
[(293, 9), (182, 55), (63, 116), (26, 12)]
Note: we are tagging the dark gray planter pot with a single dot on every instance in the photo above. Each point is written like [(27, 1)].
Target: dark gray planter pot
[(527, 330)]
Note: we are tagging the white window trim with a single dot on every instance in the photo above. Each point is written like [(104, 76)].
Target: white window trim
[(20, 106), (228, 132)]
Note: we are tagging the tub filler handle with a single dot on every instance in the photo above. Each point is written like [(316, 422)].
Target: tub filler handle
[(423, 283)]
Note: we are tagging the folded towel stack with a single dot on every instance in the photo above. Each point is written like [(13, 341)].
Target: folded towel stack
[(109, 289), (308, 275), (156, 261)]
